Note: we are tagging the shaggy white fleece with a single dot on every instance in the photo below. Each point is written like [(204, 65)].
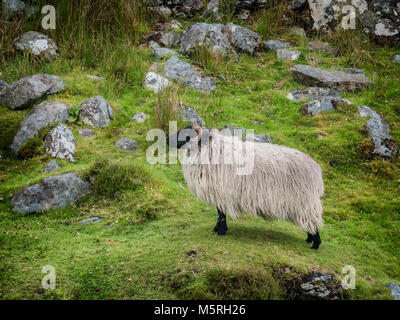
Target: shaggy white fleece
[(282, 183)]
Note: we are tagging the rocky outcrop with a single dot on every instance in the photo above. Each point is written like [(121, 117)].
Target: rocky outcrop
[(40, 117), (23, 92), (182, 72), (378, 132), (127, 144), (379, 18), (37, 44), (51, 193), (96, 112), (338, 80), (60, 143), (155, 82)]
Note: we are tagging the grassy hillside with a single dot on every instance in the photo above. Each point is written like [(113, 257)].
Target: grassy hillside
[(155, 240)]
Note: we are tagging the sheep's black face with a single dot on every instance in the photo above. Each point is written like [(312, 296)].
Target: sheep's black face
[(179, 139)]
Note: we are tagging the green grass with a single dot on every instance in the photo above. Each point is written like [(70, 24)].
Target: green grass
[(139, 250)]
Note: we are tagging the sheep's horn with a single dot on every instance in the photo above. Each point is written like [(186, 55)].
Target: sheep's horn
[(199, 131)]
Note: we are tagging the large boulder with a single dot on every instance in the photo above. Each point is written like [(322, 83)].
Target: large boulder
[(378, 132), (60, 143), (242, 39), (23, 92), (40, 117), (37, 44), (155, 82), (181, 71), (96, 112), (51, 193), (338, 80), (209, 35)]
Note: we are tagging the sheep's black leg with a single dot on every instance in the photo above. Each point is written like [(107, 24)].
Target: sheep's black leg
[(221, 226), (316, 240), (309, 238)]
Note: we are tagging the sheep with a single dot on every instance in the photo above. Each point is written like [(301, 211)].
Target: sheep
[(283, 183)]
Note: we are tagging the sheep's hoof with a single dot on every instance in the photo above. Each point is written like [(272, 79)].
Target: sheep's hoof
[(221, 233), (315, 246), (309, 238)]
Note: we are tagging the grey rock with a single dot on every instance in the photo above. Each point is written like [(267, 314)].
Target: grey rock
[(311, 93), (51, 193), (90, 220), (378, 132), (167, 38), (395, 290), (338, 80), (321, 46), (3, 84), (23, 92), (155, 82), (181, 71), (273, 45), (259, 138), (241, 38), (38, 118), (325, 104), (139, 117), (192, 6), (286, 54), (51, 166), (199, 35), (12, 8), (60, 143), (212, 10), (96, 112), (318, 286), (127, 144), (244, 14), (221, 76), (229, 130), (86, 133), (190, 115), (379, 18), (160, 53), (154, 44), (37, 44), (396, 58), (354, 71)]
